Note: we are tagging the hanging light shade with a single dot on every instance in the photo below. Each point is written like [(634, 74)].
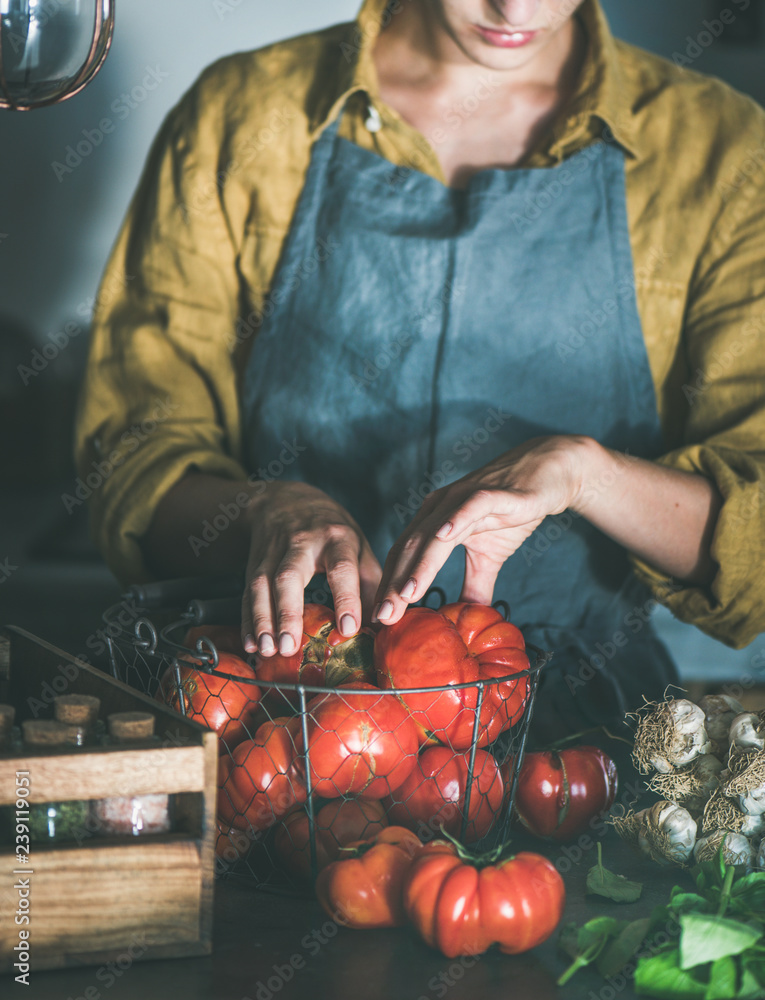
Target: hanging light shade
[(51, 49)]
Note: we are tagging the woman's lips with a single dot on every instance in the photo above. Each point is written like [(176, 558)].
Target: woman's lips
[(506, 39)]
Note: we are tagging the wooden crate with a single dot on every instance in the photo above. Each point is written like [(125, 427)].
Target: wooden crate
[(144, 897)]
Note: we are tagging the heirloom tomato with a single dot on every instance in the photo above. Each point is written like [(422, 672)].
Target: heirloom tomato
[(325, 657), (462, 908), (264, 780), (359, 744), (364, 888), (434, 794), (219, 703), (337, 824), (559, 793), (458, 644)]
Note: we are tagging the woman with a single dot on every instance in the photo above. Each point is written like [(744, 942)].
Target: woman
[(466, 289)]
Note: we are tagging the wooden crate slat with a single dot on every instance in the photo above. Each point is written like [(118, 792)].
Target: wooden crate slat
[(67, 777), (89, 902), (107, 897)]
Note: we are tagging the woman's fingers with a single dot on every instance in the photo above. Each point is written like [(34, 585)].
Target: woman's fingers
[(480, 578), (258, 626), (341, 564)]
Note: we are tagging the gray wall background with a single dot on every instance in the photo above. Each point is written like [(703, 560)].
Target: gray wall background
[(55, 232), (58, 229)]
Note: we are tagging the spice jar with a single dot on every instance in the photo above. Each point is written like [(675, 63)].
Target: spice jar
[(134, 815), (52, 822), (79, 710), (7, 715)]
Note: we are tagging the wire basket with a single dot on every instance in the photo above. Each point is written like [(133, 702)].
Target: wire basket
[(305, 769)]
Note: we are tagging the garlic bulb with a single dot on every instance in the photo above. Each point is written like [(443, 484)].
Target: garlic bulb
[(761, 854), (719, 712), (691, 786), (667, 833), (753, 801), (736, 850), (670, 735), (746, 732), (753, 825)]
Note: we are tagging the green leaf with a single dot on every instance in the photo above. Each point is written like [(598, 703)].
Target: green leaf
[(586, 944), (705, 938), (722, 980), (618, 952), (684, 902), (602, 882), (752, 976), (597, 928), (661, 976)]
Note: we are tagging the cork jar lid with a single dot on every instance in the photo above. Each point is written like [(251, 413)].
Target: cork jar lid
[(128, 726), (79, 709)]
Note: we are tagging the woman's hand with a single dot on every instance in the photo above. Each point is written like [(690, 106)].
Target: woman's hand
[(297, 531), (664, 516), (491, 512)]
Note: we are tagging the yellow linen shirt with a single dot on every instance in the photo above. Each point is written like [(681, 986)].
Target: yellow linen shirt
[(189, 277)]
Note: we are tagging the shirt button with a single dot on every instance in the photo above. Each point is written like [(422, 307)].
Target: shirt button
[(373, 122)]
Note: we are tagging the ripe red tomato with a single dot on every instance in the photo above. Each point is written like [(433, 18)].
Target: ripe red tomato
[(463, 910), (226, 638), (559, 793), (264, 781), (337, 824), (325, 657), (434, 795), (221, 704), (364, 890), (457, 644), (359, 744)]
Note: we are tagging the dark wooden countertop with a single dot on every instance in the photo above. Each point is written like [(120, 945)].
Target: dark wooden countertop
[(257, 934)]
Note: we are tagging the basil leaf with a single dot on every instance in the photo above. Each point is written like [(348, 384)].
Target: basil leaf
[(597, 928), (602, 882), (682, 902), (752, 978), (705, 938), (615, 955), (661, 976), (722, 980)]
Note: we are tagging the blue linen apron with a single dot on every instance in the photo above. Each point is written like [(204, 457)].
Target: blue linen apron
[(417, 331)]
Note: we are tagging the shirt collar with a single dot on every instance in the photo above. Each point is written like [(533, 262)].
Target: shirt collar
[(603, 92)]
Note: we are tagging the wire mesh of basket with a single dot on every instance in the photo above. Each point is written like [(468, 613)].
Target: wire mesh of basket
[(307, 768)]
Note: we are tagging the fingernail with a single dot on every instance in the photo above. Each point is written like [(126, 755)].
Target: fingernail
[(249, 644), (444, 530), (286, 644), (408, 591), (385, 611), (267, 646), (347, 625)]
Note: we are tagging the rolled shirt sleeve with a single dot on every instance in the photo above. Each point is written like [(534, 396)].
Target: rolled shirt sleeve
[(160, 390), (724, 407)]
